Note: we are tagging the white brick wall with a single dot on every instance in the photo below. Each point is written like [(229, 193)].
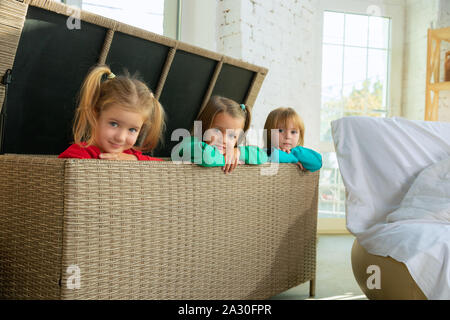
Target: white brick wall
[(278, 35)]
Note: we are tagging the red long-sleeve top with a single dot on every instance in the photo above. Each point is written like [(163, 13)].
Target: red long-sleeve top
[(80, 152)]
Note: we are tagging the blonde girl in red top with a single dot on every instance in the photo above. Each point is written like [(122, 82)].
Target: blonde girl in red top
[(113, 113)]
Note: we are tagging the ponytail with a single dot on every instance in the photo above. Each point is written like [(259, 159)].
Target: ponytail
[(248, 119), (87, 111), (153, 127)]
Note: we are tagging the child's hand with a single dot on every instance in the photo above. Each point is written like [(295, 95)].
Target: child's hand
[(287, 150), (231, 160), (117, 156), (299, 164)]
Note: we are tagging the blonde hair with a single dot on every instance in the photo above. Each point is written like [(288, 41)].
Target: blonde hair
[(218, 104), (280, 117), (131, 94)]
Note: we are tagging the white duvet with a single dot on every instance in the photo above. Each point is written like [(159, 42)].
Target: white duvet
[(396, 174), (418, 232), (429, 196)]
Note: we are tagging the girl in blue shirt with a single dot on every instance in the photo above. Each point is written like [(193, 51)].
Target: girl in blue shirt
[(285, 134)]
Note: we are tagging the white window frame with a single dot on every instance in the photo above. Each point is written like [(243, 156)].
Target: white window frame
[(172, 19), (393, 9)]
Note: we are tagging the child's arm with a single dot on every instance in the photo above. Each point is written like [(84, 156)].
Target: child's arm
[(75, 151), (128, 155), (143, 157), (310, 159), (252, 155), (280, 156), (118, 156), (140, 156)]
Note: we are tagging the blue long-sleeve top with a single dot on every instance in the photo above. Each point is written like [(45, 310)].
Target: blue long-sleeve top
[(198, 152), (310, 159)]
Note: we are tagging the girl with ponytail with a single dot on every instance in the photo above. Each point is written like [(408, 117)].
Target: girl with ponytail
[(222, 125), (113, 114)]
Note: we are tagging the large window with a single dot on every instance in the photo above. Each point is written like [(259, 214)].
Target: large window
[(355, 64), (144, 14), (361, 76), (158, 16)]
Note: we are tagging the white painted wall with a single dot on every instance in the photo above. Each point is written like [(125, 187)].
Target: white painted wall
[(421, 15), (444, 21), (199, 23)]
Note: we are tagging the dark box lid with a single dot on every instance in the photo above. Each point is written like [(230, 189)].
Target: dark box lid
[(49, 61)]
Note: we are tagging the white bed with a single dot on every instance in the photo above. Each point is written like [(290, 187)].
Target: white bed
[(397, 178)]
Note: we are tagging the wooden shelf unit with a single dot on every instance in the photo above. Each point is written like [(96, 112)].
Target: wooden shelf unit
[(435, 36)]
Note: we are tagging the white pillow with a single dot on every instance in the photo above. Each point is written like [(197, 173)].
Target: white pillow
[(379, 159)]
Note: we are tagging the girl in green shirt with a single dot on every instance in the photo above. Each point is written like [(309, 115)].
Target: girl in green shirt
[(222, 125)]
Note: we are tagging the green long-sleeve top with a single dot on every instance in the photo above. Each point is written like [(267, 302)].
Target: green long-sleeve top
[(198, 152)]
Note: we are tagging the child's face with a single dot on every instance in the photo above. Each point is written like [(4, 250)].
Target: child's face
[(117, 129), (288, 137), (224, 132)]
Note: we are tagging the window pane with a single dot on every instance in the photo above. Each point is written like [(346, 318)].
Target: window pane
[(355, 64), (377, 76), (148, 15), (377, 64), (379, 32), (333, 27), (332, 70), (331, 190), (356, 30), (328, 114), (356, 85)]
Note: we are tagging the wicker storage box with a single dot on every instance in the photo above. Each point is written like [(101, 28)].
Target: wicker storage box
[(153, 230), (49, 62), (90, 229)]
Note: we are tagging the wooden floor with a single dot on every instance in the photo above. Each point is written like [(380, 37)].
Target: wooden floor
[(335, 279)]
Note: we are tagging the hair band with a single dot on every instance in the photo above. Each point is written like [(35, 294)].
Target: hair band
[(111, 75), (243, 106)]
